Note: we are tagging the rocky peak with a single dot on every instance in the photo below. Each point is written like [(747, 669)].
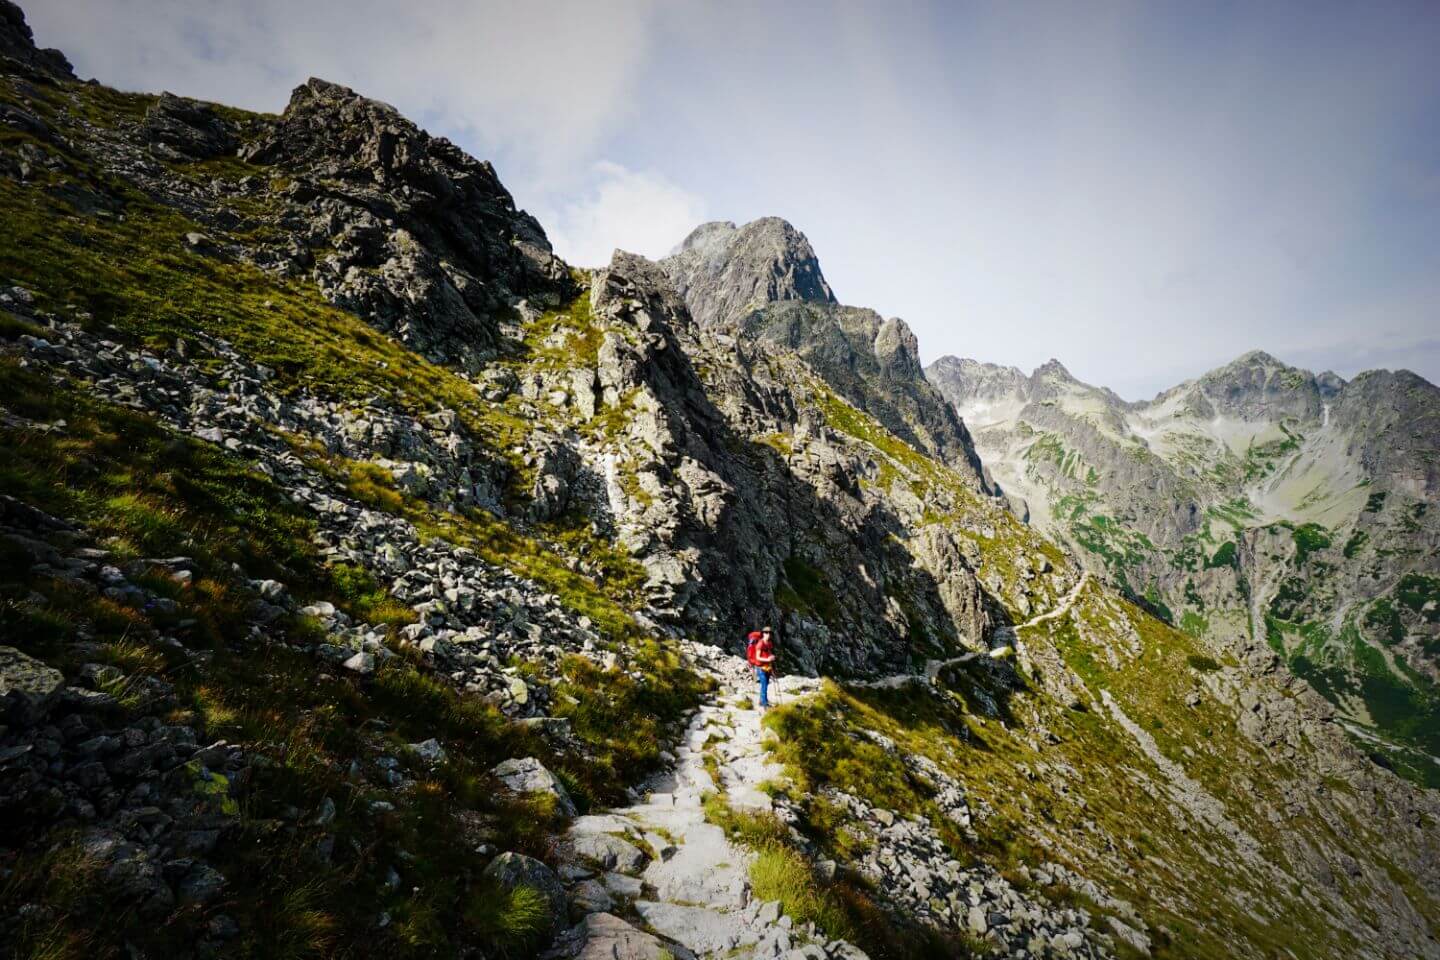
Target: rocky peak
[(898, 350), (1257, 385), (724, 272), (17, 43), (763, 281), (962, 380), (1051, 379), (1053, 370), (179, 128), (1330, 384), (1393, 418), (421, 239)]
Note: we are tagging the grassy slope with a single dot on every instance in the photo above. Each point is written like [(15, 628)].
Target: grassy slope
[(1182, 882), (147, 492), (135, 276), (1184, 886)]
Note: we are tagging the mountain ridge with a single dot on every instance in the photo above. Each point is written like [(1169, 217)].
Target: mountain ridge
[(1149, 493), (762, 282), (375, 586)]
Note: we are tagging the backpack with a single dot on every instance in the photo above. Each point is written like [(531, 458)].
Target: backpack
[(752, 642)]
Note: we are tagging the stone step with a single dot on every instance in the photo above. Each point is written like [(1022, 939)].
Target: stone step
[(700, 929)]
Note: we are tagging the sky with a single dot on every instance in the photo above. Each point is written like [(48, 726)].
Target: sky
[(1142, 190)]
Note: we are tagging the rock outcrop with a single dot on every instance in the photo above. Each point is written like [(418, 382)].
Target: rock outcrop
[(17, 45), (371, 583), (724, 272), (762, 282), (418, 238)]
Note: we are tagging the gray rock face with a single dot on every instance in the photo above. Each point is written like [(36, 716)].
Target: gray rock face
[(17, 43), (875, 364), (184, 129), (763, 282), (427, 243), (699, 505), (724, 272)]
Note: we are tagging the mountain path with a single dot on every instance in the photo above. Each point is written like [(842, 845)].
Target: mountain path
[(1063, 608), (656, 876)]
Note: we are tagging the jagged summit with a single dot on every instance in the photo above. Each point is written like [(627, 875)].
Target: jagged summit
[(724, 271), (1053, 369), (706, 237), (1307, 500), (404, 228), (371, 585), (17, 44), (763, 281)]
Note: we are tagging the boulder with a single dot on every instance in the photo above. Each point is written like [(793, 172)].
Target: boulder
[(528, 775), (590, 896), (180, 128), (26, 686), (511, 870), (610, 852)]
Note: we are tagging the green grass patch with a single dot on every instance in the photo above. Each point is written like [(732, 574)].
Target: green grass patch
[(624, 719), (1227, 556), (1420, 594), (1310, 538)]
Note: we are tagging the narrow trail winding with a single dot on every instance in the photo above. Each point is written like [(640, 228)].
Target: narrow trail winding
[(656, 880), (655, 876), (1064, 606)]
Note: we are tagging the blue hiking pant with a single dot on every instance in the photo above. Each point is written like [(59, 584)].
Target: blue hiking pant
[(764, 677)]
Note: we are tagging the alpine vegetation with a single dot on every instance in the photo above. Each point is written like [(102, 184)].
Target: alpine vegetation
[(374, 583)]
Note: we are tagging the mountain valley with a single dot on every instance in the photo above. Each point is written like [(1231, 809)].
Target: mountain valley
[(373, 582)]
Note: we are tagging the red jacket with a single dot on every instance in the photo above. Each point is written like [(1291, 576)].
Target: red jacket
[(763, 653)]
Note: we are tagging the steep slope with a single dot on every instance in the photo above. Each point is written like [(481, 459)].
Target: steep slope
[(1258, 504), (762, 283), (316, 646)]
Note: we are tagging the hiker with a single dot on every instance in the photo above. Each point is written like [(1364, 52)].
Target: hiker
[(760, 652)]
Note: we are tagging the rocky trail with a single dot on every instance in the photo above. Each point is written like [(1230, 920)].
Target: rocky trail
[(1062, 608), (367, 574), (656, 879)]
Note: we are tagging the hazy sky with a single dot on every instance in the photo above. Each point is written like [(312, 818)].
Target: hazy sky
[(1142, 190)]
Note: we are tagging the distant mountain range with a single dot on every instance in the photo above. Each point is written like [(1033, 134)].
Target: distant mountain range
[(1258, 503), (373, 583)]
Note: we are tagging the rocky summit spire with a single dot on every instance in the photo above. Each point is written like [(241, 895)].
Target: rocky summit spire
[(17, 43), (332, 500), (724, 272)]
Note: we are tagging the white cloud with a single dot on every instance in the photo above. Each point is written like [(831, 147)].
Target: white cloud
[(639, 211), (541, 81), (1139, 189)]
